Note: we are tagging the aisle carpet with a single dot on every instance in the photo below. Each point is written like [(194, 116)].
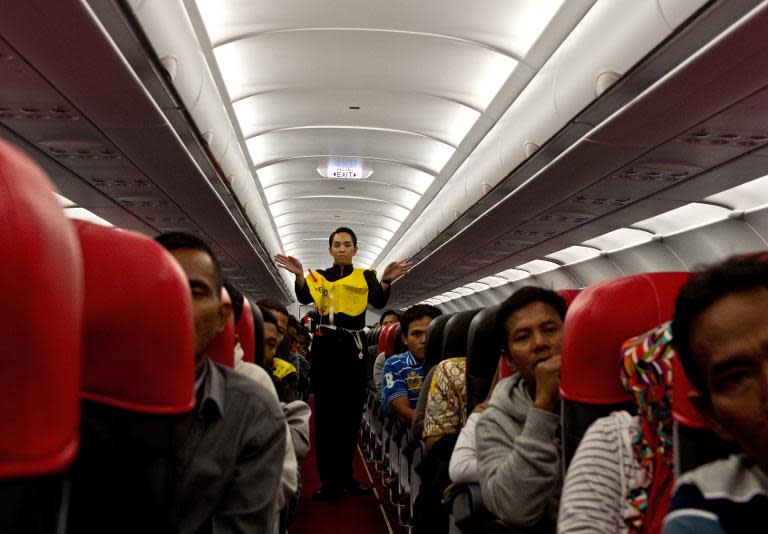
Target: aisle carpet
[(348, 515)]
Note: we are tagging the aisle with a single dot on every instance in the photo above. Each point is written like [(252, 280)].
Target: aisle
[(348, 515)]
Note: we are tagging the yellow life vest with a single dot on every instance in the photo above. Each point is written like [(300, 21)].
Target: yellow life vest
[(348, 295), (282, 368)]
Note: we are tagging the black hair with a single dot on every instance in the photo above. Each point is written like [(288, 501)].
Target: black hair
[(274, 305), (739, 273), (389, 312), (342, 230), (237, 299), (416, 312), (266, 315), (182, 240), (520, 299)]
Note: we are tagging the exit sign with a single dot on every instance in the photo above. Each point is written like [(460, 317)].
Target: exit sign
[(350, 173)]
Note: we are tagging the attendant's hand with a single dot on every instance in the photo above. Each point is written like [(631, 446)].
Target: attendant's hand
[(290, 264), (547, 376), (394, 270)]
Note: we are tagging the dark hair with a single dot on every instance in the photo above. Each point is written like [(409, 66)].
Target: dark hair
[(274, 305), (389, 312), (266, 315), (342, 230), (182, 240), (237, 299), (520, 299), (416, 312), (736, 274)]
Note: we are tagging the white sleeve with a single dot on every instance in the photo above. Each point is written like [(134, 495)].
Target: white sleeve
[(463, 466)]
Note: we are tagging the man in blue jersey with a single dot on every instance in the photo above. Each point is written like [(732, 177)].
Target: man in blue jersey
[(720, 331), (403, 374)]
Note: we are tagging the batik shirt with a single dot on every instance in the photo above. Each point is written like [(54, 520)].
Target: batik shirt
[(446, 410)]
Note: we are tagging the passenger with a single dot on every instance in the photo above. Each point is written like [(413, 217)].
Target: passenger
[(284, 374), (289, 486), (292, 355), (338, 353), (517, 436), (463, 466), (387, 318), (720, 332), (621, 475), (231, 447), (303, 343), (403, 373), (446, 409)]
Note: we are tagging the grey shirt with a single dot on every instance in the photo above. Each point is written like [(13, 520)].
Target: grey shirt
[(378, 373), (231, 449), (518, 455)]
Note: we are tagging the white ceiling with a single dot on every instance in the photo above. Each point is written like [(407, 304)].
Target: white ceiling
[(394, 88)]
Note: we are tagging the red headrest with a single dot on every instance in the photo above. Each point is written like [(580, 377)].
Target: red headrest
[(599, 320), (139, 330), (222, 348), (568, 295), (388, 338), (246, 331), (682, 409), (41, 280)]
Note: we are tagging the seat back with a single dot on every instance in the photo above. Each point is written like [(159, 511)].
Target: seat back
[(695, 441), (456, 334), (599, 320), (222, 348), (482, 356), (246, 332), (387, 339), (138, 380), (433, 351), (258, 334), (40, 346)]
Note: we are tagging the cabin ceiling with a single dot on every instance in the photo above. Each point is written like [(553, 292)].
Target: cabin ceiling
[(399, 91)]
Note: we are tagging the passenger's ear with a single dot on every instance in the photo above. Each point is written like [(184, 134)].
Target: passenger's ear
[(225, 310), (704, 406)]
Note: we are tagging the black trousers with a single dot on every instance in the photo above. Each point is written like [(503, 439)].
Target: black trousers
[(338, 380)]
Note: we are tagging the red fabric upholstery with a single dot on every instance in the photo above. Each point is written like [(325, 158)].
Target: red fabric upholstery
[(139, 330), (388, 339), (682, 410), (569, 295), (41, 280), (246, 331), (222, 349), (600, 318)]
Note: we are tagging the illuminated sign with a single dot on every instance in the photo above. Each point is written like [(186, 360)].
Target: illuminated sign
[(351, 173)]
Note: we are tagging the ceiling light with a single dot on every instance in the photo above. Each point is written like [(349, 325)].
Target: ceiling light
[(538, 266)]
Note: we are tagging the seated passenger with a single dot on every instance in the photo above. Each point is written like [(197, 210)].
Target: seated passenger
[(284, 374), (290, 346), (403, 373), (463, 466), (720, 332), (517, 435), (231, 447), (446, 409), (387, 318), (621, 475)]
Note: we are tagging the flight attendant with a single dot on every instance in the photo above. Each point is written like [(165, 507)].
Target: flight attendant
[(341, 294)]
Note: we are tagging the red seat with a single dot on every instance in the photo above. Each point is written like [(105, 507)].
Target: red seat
[(598, 322), (139, 330), (41, 281), (246, 331), (222, 349), (569, 295), (388, 339)]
